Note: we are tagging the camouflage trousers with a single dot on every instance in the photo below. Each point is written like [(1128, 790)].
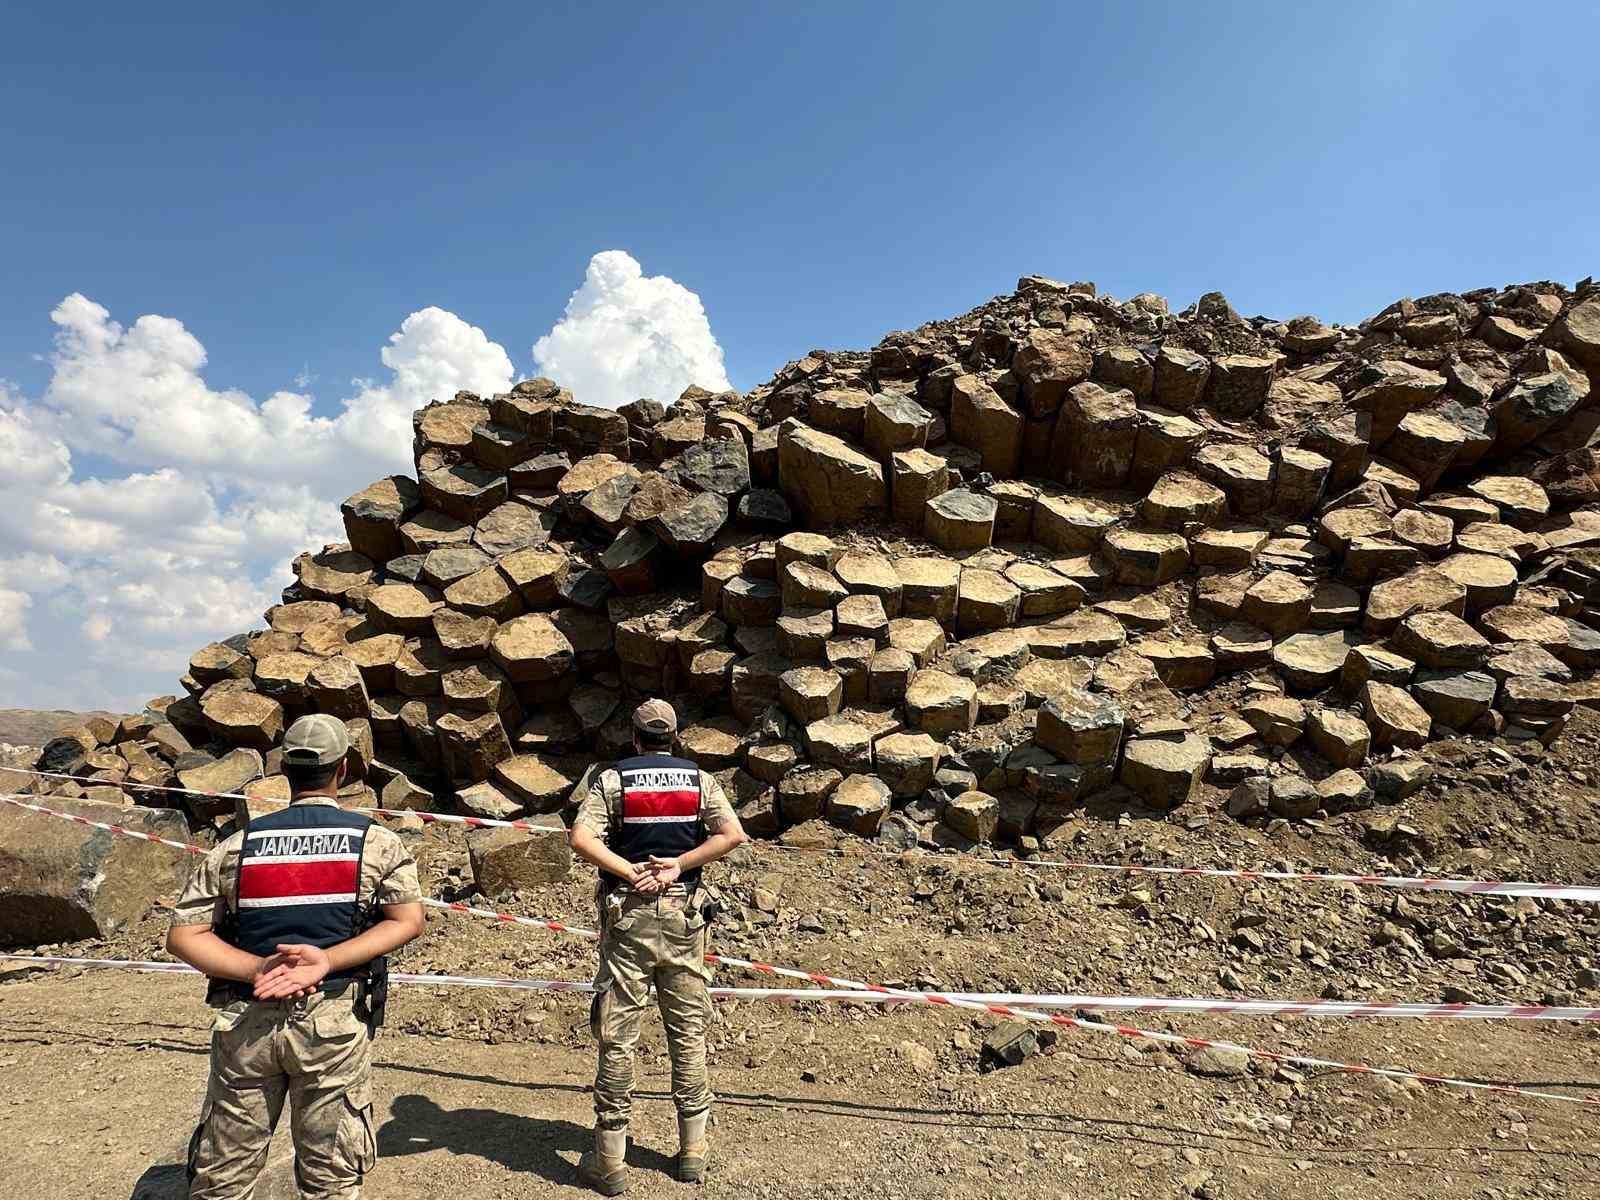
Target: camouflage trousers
[(317, 1054), (645, 941)]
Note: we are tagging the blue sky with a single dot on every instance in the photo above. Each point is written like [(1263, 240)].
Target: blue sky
[(290, 186), (203, 209)]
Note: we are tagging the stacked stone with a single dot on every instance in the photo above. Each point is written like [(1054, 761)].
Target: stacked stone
[(951, 589)]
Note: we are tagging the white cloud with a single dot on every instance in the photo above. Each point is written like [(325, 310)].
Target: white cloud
[(14, 619), (137, 395), (626, 335), (110, 583)]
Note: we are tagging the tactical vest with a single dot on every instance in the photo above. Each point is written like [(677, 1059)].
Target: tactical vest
[(659, 811), (299, 874)]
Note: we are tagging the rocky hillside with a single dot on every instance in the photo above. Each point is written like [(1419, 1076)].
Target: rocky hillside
[(947, 590)]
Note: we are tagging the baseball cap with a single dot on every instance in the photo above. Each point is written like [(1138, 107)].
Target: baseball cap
[(655, 717), (317, 740)]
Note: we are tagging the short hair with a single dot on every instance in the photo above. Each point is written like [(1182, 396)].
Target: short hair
[(310, 777), (658, 743)]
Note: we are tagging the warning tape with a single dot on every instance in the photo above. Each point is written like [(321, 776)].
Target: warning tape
[(932, 999), (419, 814), (1146, 1004), (1470, 887)]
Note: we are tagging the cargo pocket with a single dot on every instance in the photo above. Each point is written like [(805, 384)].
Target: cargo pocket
[(191, 1162), (336, 1021), (357, 1144), (597, 1012)]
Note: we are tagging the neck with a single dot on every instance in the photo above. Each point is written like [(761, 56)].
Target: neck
[(327, 793)]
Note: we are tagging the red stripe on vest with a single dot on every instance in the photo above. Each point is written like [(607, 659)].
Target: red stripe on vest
[(270, 881), (637, 802)]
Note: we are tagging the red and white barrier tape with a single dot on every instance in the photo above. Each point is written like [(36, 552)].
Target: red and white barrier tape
[(1147, 1004), (1003, 1010), (22, 802), (1470, 887), (430, 817)]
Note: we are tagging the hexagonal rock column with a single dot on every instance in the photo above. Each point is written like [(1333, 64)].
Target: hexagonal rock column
[(1241, 471), (939, 703), (895, 422), (1095, 436), (1163, 771), (1179, 498), (960, 520), (859, 804), (918, 477), (980, 418), (928, 587), (1146, 558), (1080, 727), (1180, 378), (810, 693), (906, 762), (504, 861), (828, 481)]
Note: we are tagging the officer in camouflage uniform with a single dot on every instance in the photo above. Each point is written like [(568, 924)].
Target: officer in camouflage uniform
[(291, 918), (650, 824)]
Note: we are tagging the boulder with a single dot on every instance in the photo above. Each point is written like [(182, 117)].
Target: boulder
[(64, 882), (1395, 718), (1454, 698), (505, 861)]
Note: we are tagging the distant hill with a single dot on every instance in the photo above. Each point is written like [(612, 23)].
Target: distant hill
[(36, 726)]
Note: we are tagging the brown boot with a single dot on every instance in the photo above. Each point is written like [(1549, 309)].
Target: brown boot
[(604, 1168), (693, 1149)]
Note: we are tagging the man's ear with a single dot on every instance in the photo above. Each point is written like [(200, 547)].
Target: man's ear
[(340, 772)]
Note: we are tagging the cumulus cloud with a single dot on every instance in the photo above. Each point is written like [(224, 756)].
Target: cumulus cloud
[(14, 619), (110, 579), (110, 582), (137, 395), (627, 335)]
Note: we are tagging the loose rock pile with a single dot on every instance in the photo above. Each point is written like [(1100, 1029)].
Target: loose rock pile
[(946, 591)]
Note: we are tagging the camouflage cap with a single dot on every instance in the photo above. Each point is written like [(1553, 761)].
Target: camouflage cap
[(656, 718), (317, 740)]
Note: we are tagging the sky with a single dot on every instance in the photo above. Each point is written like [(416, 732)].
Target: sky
[(239, 247)]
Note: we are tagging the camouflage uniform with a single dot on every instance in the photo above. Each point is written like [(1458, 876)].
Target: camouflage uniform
[(644, 941), (316, 1052)]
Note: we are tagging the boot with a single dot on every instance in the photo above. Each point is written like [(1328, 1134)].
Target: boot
[(604, 1168), (693, 1149)]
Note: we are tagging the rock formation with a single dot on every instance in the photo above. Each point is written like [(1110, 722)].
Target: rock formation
[(942, 592)]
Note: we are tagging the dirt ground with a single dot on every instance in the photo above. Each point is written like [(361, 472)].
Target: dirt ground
[(484, 1093)]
